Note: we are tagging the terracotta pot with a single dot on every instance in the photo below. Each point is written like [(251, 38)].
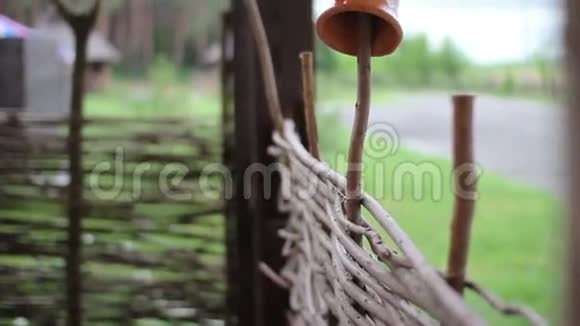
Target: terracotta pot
[(337, 26)]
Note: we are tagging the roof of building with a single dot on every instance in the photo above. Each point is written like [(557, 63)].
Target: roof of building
[(10, 28), (99, 48)]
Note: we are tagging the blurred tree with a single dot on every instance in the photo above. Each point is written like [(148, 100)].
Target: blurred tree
[(451, 61), (544, 68), (326, 60), (107, 10), (508, 86), (423, 58), (26, 11), (206, 27), (180, 30), (415, 64), (412, 65)]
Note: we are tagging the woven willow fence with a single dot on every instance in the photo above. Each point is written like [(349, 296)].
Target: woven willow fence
[(146, 255), (331, 277)]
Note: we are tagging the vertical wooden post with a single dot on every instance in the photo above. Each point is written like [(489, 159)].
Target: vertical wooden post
[(572, 285), (227, 143), (464, 207), (81, 24), (258, 302)]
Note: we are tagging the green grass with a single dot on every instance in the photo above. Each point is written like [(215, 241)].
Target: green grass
[(142, 100), (338, 90), (516, 244), (514, 247)]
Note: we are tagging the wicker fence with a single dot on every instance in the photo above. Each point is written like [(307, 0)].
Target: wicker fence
[(349, 266), (331, 277), (153, 244)]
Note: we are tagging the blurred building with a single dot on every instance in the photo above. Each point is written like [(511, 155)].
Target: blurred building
[(36, 65), (12, 86), (101, 54)]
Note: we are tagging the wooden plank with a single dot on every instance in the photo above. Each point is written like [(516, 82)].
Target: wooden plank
[(572, 286), (256, 220)]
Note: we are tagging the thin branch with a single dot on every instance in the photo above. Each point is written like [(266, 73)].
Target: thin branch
[(507, 309), (267, 66), (306, 59), (273, 276), (354, 173)]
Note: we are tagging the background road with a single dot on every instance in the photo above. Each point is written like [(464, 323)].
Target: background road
[(519, 139)]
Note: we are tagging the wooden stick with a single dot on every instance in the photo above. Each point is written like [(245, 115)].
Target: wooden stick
[(306, 59), (464, 205), (81, 25), (354, 173), (265, 56)]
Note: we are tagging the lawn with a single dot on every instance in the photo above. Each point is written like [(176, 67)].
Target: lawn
[(514, 249), (516, 241), (137, 100)]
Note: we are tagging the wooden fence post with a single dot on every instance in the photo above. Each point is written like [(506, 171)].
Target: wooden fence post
[(227, 159), (464, 206), (81, 25), (255, 217), (572, 284)]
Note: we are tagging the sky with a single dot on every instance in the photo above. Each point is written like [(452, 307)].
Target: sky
[(488, 31)]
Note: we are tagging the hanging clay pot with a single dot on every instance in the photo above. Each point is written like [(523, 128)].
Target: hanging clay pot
[(337, 26)]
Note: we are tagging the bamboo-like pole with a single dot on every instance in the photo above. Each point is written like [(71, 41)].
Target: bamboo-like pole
[(81, 24), (464, 203), (354, 172), (308, 88)]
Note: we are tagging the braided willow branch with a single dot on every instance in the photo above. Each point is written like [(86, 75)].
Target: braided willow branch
[(331, 277)]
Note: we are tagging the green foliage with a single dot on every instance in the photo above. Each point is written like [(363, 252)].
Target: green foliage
[(162, 72), (416, 64), (326, 60), (546, 69), (163, 75), (153, 99), (508, 85), (451, 61)]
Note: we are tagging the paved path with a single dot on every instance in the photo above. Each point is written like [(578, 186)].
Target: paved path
[(519, 139)]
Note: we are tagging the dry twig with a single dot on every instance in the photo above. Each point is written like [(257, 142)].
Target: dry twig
[(266, 64), (307, 61)]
